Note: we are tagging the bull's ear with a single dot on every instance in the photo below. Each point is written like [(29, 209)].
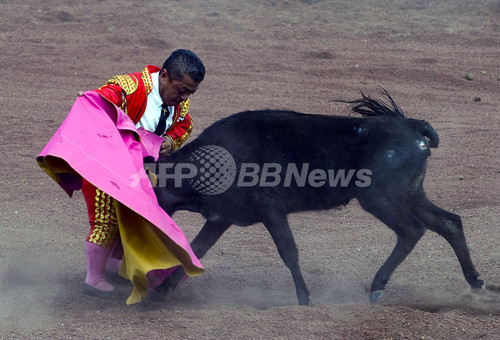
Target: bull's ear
[(148, 159)]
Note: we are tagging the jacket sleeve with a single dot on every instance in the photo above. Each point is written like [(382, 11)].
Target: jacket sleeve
[(113, 93), (180, 131)]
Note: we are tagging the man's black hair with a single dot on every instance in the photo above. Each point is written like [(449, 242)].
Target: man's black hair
[(183, 62)]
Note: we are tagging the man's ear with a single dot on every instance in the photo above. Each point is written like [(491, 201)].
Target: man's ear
[(163, 78)]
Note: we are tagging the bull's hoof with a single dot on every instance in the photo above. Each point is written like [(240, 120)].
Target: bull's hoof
[(311, 303), (305, 301), (376, 295), (478, 286)]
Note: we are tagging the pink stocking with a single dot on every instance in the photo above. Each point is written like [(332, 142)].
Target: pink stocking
[(97, 256)]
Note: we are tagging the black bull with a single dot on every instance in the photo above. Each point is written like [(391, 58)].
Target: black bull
[(259, 166)]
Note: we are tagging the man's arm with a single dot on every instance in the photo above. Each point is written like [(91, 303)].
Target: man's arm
[(113, 93)]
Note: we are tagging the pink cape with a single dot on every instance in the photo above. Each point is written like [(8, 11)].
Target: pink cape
[(99, 142)]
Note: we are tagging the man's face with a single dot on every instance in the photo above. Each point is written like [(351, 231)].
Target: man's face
[(172, 92)]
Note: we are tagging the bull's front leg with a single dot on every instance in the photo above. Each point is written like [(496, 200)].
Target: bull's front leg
[(283, 238)]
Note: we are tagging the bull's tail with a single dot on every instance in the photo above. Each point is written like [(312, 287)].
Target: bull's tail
[(369, 107)]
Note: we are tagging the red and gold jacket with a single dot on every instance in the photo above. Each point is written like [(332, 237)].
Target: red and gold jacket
[(130, 93)]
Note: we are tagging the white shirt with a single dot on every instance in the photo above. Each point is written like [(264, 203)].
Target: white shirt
[(151, 116)]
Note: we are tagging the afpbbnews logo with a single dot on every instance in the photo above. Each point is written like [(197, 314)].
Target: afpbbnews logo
[(273, 174), (212, 170)]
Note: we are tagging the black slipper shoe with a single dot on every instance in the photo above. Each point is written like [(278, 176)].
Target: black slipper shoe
[(102, 294)]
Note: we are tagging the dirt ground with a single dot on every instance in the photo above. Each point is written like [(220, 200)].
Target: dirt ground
[(298, 55)]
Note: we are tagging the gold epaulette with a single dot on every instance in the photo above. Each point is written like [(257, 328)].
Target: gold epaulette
[(127, 82)]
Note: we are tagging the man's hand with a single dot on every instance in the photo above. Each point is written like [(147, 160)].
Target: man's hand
[(166, 146)]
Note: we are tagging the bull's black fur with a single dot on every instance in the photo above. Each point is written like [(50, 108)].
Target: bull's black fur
[(393, 148), (368, 107)]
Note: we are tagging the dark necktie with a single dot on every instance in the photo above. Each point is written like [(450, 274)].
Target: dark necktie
[(162, 124)]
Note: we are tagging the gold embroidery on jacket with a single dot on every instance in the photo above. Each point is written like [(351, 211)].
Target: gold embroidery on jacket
[(177, 142), (124, 105), (105, 225), (127, 82), (148, 82), (184, 108)]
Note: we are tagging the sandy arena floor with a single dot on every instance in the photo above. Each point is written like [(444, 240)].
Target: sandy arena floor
[(298, 55)]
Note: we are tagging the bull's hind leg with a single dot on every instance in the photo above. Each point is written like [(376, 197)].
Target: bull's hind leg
[(205, 239), (408, 229), (449, 226), (283, 238)]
